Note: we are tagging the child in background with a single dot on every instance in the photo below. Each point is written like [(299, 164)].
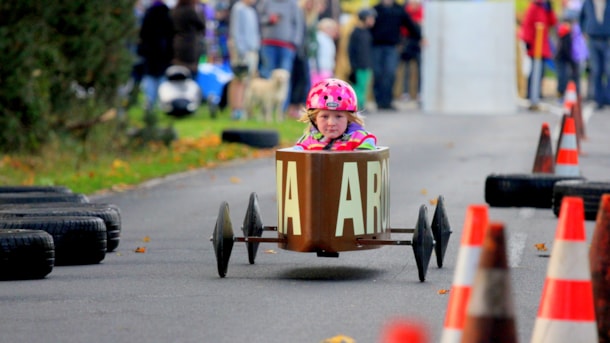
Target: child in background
[(359, 51), (323, 66), (333, 118), (571, 55)]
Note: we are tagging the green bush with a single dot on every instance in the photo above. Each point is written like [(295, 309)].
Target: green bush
[(62, 64)]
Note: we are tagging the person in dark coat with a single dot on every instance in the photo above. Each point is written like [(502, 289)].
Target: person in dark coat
[(155, 48), (189, 31), (359, 51), (386, 36)]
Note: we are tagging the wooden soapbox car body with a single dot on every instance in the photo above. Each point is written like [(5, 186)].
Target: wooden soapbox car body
[(329, 202)]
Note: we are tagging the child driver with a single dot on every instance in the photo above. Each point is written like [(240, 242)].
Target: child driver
[(333, 118)]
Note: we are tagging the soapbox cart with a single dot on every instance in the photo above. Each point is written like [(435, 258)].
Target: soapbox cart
[(329, 202)]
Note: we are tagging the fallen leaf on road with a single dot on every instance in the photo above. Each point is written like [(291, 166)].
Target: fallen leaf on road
[(424, 191), (339, 339), (434, 201), (140, 250), (235, 179), (540, 247), (146, 239), (270, 251), (443, 291)]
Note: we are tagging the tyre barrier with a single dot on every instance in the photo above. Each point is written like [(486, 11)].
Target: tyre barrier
[(26, 254), (522, 190), (77, 240), (45, 226), (110, 214), (590, 191), (39, 189), (253, 137), (36, 197)]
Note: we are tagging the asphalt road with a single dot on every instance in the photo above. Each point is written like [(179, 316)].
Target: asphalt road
[(172, 292)]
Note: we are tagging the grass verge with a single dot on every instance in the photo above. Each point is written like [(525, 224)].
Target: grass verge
[(88, 167)]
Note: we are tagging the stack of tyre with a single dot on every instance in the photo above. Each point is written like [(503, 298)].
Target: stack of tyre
[(540, 190), (46, 226)]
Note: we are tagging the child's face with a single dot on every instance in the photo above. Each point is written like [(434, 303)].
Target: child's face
[(369, 21), (332, 124)]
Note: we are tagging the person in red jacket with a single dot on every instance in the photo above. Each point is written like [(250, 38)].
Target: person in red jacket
[(538, 11)]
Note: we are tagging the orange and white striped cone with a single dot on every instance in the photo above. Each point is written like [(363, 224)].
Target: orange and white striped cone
[(404, 331), (544, 163), (578, 119), (491, 316), (570, 98), (475, 225), (566, 312), (599, 258), (566, 163)]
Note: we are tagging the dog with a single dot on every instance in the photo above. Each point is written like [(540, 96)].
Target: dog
[(268, 95)]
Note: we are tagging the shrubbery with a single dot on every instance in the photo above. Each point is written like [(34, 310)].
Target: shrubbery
[(61, 65)]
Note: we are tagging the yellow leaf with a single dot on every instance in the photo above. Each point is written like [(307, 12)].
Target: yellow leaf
[(433, 202), (270, 251), (424, 191), (140, 250), (540, 246), (235, 179), (339, 339), (443, 291), (146, 239)]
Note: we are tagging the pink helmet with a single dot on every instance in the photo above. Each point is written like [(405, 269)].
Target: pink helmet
[(332, 94)]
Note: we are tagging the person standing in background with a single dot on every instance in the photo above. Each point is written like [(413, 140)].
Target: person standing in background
[(595, 24), (282, 25), (359, 51), (155, 48), (411, 50), (300, 80), (538, 12), (386, 36), (189, 30), (281, 34), (323, 67), (244, 45), (570, 55)]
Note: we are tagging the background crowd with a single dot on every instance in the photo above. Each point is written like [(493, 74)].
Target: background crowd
[(308, 38), (575, 42)]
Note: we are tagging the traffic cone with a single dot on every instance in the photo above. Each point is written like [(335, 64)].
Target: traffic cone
[(543, 163), (467, 261), (578, 119), (599, 258), (404, 331), (566, 312), (570, 98), (566, 163), (491, 314)]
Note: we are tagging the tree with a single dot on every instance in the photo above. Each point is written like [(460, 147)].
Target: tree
[(61, 66)]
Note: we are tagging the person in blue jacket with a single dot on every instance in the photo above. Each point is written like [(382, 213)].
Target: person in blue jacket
[(595, 24)]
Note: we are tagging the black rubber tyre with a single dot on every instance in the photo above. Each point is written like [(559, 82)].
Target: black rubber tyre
[(78, 240), (254, 138), (25, 254), (23, 189), (109, 213), (35, 197), (522, 190), (590, 191)]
